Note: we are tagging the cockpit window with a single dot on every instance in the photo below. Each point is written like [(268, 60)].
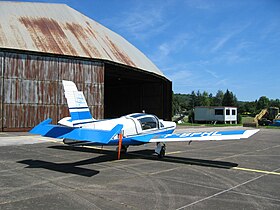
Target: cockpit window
[(137, 115), (148, 123)]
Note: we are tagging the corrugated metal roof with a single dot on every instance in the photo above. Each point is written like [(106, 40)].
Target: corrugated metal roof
[(59, 29)]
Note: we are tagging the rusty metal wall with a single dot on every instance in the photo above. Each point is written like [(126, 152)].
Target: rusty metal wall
[(32, 88), (1, 88)]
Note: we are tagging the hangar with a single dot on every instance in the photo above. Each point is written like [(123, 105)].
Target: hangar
[(42, 44)]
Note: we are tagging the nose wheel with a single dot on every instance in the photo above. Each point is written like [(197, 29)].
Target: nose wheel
[(160, 150)]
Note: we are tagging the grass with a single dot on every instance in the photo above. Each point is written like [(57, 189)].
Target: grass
[(224, 125), (208, 125), (270, 127), (245, 119)]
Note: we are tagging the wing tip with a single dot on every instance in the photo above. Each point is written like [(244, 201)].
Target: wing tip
[(249, 133)]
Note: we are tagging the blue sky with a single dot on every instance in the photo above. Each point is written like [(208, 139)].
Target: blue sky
[(205, 45)]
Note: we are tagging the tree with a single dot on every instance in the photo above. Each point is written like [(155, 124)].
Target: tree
[(275, 103), (205, 100), (180, 103), (229, 99), (218, 99), (192, 102), (247, 107), (198, 99), (211, 99), (263, 103), (175, 104), (184, 103)]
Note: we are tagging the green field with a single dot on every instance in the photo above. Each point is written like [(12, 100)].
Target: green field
[(245, 120)]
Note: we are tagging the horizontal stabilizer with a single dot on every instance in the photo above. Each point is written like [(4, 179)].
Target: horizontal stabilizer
[(198, 136), (79, 134)]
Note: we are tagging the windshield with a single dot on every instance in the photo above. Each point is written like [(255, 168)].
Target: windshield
[(148, 123)]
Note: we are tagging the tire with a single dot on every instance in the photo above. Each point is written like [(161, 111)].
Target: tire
[(124, 149), (162, 152)]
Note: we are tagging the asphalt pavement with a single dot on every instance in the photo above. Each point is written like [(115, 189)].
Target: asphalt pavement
[(42, 173)]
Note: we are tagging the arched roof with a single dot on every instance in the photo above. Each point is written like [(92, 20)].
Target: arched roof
[(59, 29)]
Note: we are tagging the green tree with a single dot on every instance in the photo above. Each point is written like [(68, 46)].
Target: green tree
[(175, 104), (211, 99), (263, 103), (218, 99), (275, 103), (252, 106), (192, 102), (205, 99), (229, 99), (183, 103), (198, 99)]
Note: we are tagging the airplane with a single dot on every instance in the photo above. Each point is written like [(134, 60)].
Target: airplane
[(81, 129)]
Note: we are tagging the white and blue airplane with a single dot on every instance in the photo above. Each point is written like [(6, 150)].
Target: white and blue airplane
[(82, 129)]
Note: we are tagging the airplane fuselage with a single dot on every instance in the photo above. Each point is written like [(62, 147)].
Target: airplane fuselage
[(137, 125)]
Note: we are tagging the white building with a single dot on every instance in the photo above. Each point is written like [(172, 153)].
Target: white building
[(224, 114)]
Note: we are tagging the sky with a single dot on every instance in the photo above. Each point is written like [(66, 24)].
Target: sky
[(205, 45)]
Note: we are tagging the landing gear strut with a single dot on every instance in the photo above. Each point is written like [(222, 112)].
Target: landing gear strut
[(160, 150)]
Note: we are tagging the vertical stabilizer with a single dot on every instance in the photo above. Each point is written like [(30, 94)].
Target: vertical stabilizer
[(78, 108)]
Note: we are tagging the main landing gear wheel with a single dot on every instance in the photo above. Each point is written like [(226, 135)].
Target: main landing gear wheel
[(160, 150), (123, 149), (162, 153)]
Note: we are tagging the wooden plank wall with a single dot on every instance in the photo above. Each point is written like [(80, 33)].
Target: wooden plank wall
[(1, 89), (33, 92)]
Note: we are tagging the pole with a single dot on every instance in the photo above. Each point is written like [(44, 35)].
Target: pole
[(120, 146)]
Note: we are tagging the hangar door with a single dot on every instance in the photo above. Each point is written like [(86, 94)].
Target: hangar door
[(128, 91)]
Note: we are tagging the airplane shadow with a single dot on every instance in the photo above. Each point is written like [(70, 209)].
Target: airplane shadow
[(71, 168), (108, 155)]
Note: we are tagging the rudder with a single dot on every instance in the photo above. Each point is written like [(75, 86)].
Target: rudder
[(77, 105)]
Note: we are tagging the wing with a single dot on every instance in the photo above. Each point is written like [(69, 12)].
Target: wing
[(77, 134), (198, 136)]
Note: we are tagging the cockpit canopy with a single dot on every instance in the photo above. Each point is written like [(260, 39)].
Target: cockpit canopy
[(147, 121)]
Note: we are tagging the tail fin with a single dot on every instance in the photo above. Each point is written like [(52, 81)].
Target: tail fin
[(78, 108)]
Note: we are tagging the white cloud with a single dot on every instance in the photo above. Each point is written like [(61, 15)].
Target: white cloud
[(222, 82), (181, 77), (220, 42), (143, 21), (270, 31), (166, 50), (137, 22), (212, 73), (227, 34), (187, 77), (241, 52)]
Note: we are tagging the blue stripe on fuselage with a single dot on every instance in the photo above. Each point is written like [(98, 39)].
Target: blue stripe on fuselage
[(129, 140), (84, 123)]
